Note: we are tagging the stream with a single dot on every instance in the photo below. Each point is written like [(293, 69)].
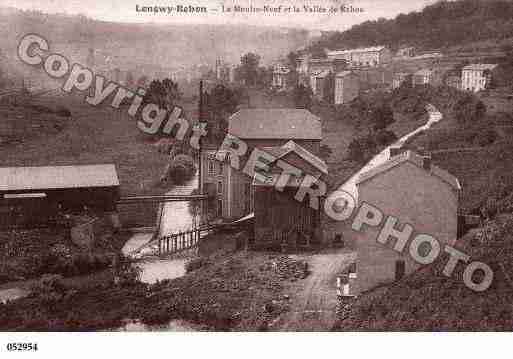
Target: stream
[(176, 216)]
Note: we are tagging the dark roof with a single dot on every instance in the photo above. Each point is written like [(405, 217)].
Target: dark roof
[(57, 177), (291, 146), (292, 124)]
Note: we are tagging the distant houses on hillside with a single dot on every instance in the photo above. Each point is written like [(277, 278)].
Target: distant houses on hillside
[(476, 77)]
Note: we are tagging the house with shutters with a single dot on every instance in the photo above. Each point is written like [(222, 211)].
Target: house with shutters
[(414, 191), (289, 135), (347, 87)]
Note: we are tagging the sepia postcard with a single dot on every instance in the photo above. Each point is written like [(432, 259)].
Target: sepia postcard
[(254, 166)]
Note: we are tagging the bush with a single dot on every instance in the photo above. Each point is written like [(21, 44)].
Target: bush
[(50, 288), (63, 111), (195, 264), (181, 168), (485, 137)]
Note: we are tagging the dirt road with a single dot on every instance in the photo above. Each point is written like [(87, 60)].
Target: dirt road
[(314, 304)]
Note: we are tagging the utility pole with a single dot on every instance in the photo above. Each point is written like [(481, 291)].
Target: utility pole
[(200, 122)]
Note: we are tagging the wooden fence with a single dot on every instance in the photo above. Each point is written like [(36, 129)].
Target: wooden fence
[(181, 241)]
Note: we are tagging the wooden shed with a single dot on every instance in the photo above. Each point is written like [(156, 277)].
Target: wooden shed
[(36, 196)]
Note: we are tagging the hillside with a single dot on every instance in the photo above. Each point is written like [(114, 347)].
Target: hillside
[(129, 46), (443, 24), (425, 300)]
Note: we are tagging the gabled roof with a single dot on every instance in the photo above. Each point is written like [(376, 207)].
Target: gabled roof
[(291, 146), (57, 177), (276, 123), (409, 156)]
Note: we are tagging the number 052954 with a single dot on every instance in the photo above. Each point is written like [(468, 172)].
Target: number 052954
[(25, 347)]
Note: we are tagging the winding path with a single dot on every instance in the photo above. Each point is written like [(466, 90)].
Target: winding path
[(314, 306)]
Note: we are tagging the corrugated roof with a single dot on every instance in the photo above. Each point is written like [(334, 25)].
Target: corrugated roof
[(479, 67), (57, 177), (409, 156), (275, 124)]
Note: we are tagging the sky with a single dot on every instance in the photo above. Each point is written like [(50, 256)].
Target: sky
[(125, 11)]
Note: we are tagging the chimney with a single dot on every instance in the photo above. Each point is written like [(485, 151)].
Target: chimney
[(426, 163)]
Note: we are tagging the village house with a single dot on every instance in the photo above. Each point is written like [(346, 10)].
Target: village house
[(363, 57), (281, 75), (406, 52), (258, 128), (476, 77), (318, 82), (416, 192), (426, 77), (347, 87), (400, 78), (320, 71)]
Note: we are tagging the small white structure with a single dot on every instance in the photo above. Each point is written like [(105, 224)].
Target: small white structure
[(347, 87), (476, 77)]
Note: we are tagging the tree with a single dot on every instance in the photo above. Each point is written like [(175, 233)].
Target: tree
[(130, 80), (143, 81), (163, 93), (248, 69), (219, 104), (302, 97), (382, 116)]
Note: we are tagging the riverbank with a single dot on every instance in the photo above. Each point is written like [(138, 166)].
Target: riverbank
[(242, 291)]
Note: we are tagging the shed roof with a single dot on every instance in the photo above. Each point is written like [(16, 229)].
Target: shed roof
[(275, 124), (57, 177), (412, 157)]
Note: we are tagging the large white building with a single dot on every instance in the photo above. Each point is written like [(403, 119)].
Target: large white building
[(476, 77), (363, 57)]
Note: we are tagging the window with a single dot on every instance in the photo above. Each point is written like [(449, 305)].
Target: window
[(219, 187), (211, 167), (220, 168), (400, 269), (219, 207)]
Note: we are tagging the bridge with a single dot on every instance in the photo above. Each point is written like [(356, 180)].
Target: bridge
[(163, 198)]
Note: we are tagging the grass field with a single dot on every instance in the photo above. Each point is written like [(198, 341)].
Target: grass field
[(92, 135)]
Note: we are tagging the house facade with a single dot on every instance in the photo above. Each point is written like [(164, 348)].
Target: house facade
[(347, 87), (411, 189), (476, 77), (279, 217), (280, 76), (399, 78), (363, 57)]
